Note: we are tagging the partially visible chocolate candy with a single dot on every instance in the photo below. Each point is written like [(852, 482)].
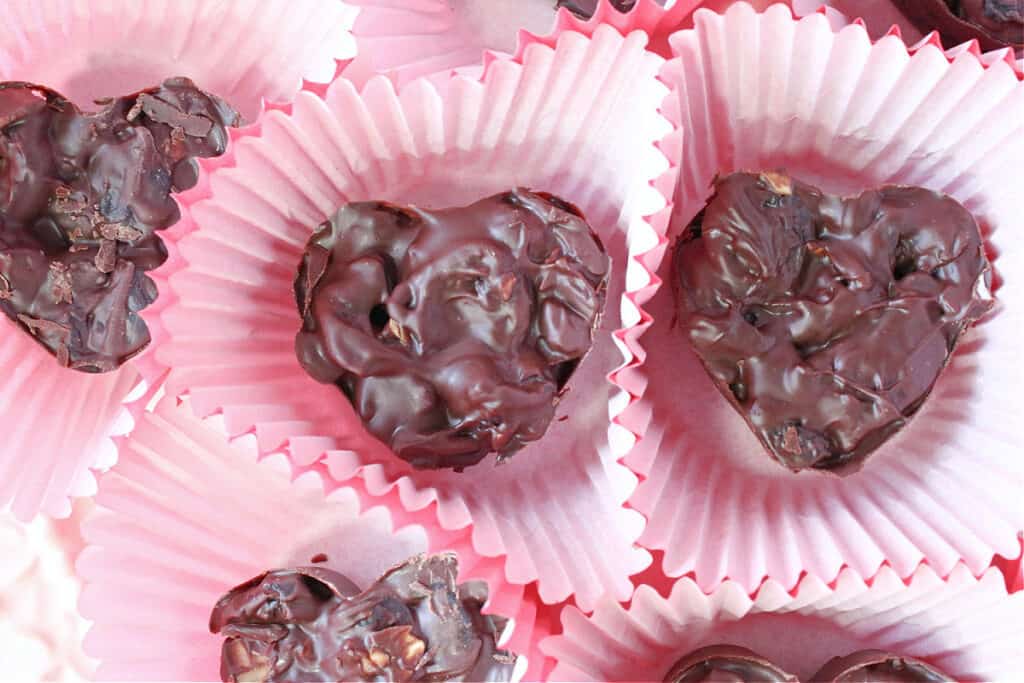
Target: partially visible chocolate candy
[(585, 8), (994, 24), (453, 332), (82, 196), (726, 664), (827, 320), (877, 666), (415, 623)]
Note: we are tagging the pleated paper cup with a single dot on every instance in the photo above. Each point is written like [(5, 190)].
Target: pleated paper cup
[(40, 630), (967, 627), (88, 49), (880, 18), (762, 91), (579, 120), (188, 514)]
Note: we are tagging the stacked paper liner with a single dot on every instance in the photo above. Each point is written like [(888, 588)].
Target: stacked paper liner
[(60, 423), (580, 120), (763, 91), (967, 627), (188, 514), (39, 628)]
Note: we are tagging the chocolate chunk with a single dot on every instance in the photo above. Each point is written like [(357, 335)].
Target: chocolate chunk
[(312, 624), (82, 197), (726, 664), (827, 320), (585, 9), (994, 24), (452, 332), (870, 666)]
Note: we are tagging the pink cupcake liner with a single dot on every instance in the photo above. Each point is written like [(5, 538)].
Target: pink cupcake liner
[(40, 631), (965, 626), (58, 426), (880, 19), (88, 49), (579, 120), (189, 514), (764, 91)]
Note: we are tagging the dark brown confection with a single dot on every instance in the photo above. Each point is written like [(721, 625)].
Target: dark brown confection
[(826, 320), (585, 8), (876, 666), (81, 198), (312, 624), (453, 332), (726, 664), (994, 24)]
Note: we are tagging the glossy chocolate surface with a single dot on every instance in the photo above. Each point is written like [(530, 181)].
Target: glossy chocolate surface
[(82, 197), (585, 8), (826, 320), (452, 332), (726, 664), (876, 666), (994, 24), (416, 623)]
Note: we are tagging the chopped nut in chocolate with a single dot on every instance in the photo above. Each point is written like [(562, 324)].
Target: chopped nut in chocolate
[(416, 623), (81, 199), (452, 332), (827, 320)]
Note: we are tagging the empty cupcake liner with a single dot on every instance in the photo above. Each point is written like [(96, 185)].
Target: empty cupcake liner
[(881, 18), (762, 91), (965, 626), (88, 49), (58, 426), (579, 120), (40, 630), (188, 514)]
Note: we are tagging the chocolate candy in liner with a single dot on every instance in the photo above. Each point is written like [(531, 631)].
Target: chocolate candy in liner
[(585, 9), (82, 197), (726, 664), (415, 623), (877, 666), (826, 320), (995, 24), (452, 332)]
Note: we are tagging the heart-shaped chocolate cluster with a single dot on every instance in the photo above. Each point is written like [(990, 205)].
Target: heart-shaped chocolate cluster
[(82, 197), (452, 332), (733, 664), (826, 320)]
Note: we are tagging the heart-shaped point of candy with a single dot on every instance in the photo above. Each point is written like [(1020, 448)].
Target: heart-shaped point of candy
[(827, 320)]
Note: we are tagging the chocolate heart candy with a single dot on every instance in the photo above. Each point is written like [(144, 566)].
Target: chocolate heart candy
[(453, 332), (994, 24), (81, 199), (826, 320)]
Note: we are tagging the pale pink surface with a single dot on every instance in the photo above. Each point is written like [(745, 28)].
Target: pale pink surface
[(40, 631), (579, 120), (188, 514), (968, 627), (762, 91), (880, 18)]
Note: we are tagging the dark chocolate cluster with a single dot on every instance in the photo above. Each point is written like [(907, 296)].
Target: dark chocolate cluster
[(732, 664), (452, 332), (994, 24), (826, 320), (416, 623), (82, 197), (585, 9)]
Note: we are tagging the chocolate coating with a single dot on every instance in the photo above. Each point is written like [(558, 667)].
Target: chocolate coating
[(726, 664), (312, 624), (81, 198), (876, 666), (994, 24), (826, 320), (453, 332)]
